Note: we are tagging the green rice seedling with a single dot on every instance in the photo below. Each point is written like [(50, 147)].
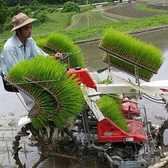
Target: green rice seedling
[(95, 164), (58, 149), (72, 162), (127, 67), (7, 146), (59, 42), (116, 98), (2, 161), (107, 81), (16, 76), (57, 96), (132, 50), (54, 164), (3, 136), (111, 109), (24, 147), (11, 125), (41, 43)]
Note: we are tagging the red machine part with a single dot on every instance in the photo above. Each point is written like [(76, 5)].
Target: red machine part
[(164, 89), (83, 76), (129, 108), (108, 131)]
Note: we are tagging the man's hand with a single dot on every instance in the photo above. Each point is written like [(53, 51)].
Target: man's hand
[(58, 55)]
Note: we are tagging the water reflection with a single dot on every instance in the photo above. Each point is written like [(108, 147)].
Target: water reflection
[(157, 38), (92, 55)]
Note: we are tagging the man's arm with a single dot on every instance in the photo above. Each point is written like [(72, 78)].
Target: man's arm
[(8, 60)]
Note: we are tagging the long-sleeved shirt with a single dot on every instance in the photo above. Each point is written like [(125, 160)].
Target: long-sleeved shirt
[(14, 51)]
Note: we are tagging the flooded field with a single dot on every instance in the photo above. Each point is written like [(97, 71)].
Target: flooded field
[(12, 109)]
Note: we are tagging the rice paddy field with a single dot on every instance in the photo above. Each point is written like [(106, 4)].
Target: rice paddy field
[(89, 18), (85, 25), (113, 14)]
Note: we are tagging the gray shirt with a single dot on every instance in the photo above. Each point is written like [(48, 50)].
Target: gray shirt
[(14, 51)]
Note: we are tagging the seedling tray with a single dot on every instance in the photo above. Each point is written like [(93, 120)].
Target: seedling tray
[(126, 59)]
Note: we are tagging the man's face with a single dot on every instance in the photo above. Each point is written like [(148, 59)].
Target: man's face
[(25, 31)]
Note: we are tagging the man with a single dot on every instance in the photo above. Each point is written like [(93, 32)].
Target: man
[(21, 46)]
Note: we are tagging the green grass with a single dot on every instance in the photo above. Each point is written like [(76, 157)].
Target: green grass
[(57, 21), (125, 26), (143, 7), (88, 18)]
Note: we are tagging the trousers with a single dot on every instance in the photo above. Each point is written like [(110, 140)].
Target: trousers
[(28, 100)]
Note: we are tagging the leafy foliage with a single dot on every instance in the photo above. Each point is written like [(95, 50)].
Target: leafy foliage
[(33, 10), (57, 22), (16, 2), (70, 7), (3, 14), (34, 5)]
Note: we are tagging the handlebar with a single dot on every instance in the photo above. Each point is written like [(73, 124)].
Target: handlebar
[(65, 55)]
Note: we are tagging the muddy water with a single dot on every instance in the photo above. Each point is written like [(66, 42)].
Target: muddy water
[(11, 109)]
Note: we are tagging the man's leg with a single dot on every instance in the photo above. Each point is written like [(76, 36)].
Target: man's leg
[(28, 101)]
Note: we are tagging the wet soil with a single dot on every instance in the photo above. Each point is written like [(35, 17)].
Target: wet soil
[(128, 10)]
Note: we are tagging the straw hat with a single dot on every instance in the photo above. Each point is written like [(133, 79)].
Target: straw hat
[(21, 20)]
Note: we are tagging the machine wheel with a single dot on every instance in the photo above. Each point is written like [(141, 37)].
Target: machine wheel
[(161, 134), (114, 160)]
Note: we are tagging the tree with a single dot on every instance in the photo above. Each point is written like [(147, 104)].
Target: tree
[(34, 5), (3, 14), (70, 7), (16, 2)]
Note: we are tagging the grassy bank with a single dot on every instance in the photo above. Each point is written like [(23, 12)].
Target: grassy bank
[(91, 24)]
